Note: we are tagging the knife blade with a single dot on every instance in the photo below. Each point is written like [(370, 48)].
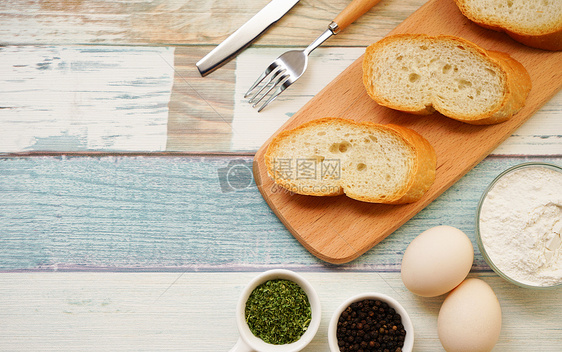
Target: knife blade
[(244, 35)]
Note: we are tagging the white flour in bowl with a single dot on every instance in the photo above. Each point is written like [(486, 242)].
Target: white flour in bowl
[(521, 225)]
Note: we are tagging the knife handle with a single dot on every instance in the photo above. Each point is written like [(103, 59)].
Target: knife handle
[(352, 12)]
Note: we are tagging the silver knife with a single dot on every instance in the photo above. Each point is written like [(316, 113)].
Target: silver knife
[(245, 35)]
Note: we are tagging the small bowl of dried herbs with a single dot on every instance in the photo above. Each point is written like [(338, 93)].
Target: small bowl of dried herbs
[(371, 322), (279, 311)]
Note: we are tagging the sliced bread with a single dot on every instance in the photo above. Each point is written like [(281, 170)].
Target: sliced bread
[(419, 74), (366, 161), (536, 23)]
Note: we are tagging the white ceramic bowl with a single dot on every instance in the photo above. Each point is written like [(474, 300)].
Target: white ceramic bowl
[(332, 329), (249, 342)]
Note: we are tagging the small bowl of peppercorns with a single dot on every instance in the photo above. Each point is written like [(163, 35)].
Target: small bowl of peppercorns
[(371, 322)]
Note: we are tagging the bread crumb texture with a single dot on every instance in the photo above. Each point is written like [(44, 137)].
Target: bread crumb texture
[(537, 23), (420, 74), (366, 161), (523, 16)]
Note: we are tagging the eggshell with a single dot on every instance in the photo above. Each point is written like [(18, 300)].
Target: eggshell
[(470, 318), (436, 261)]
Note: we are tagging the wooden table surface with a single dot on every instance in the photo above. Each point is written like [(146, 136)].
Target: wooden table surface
[(119, 227)]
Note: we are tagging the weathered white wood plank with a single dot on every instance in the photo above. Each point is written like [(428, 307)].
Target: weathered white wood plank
[(83, 98), (180, 214), (196, 311), (541, 135)]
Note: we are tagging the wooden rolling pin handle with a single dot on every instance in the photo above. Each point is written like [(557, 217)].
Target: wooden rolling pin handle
[(352, 12)]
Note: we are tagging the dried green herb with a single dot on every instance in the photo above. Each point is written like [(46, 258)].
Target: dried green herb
[(278, 312)]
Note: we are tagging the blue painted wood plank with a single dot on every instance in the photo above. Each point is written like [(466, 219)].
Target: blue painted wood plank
[(181, 213)]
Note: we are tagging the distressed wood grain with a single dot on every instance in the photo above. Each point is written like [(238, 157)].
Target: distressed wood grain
[(195, 22), (79, 98), (184, 213), (130, 253), (196, 311), (201, 109), (142, 99)]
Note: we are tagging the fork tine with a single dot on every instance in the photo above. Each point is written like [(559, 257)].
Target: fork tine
[(271, 68), (258, 81), (272, 76), (279, 90), (282, 77)]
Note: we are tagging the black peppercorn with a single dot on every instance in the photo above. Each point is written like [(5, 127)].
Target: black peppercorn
[(370, 325)]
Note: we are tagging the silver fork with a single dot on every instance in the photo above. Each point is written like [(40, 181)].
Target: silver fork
[(290, 66)]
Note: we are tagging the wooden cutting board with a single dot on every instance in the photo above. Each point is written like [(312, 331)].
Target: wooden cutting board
[(339, 229)]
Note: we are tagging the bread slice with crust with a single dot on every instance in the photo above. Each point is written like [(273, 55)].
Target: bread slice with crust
[(535, 23), (419, 74), (366, 161)]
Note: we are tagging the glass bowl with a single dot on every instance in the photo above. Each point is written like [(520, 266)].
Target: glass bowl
[(479, 240)]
